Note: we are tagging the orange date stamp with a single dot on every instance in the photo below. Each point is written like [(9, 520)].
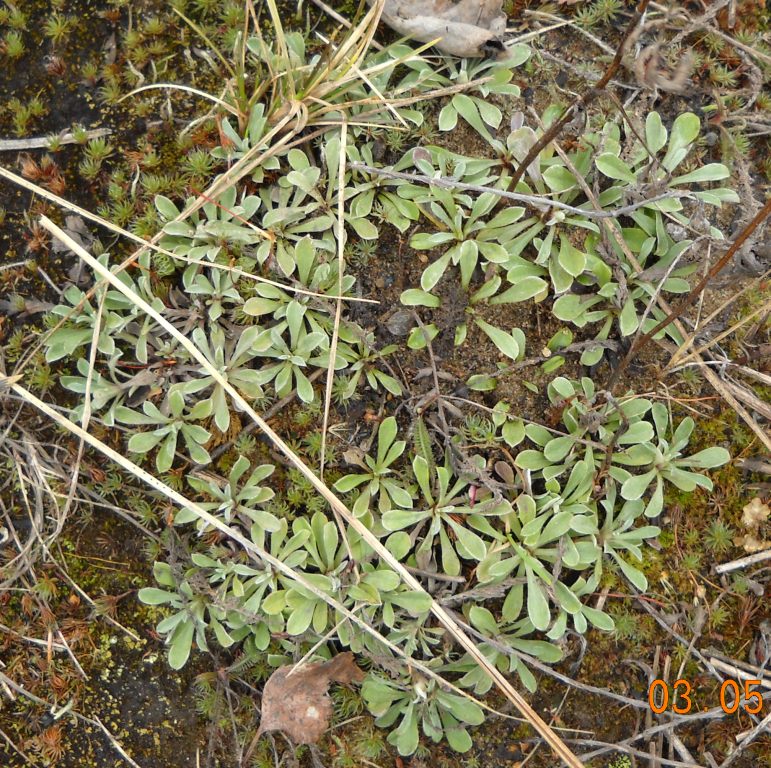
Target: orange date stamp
[(678, 697)]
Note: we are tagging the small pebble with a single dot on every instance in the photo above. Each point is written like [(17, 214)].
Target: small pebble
[(400, 323)]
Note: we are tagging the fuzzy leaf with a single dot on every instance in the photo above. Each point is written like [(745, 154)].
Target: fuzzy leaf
[(615, 168), (636, 485), (414, 297), (181, 642), (709, 458), (537, 605), (655, 132), (685, 129), (433, 272), (709, 172), (507, 344), (155, 596)]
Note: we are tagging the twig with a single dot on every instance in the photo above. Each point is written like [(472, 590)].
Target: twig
[(43, 142), (762, 466), (716, 382), (574, 26), (746, 741), (432, 360), (737, 672), (652, 762), (540, 202), (745, 665), (29, 761), (15, 265), (750, 399), (582, 101), (115, 743), (716, 713), (47, 278), (72, 656), (436, 576), (680, 748), (715, 339), (693, 651), (744, 562), (626, 749), (34, 640), (701, 24)]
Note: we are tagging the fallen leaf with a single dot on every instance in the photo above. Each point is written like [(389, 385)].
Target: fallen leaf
[(751, 543), (755, 514), (466, 27), (298, 703)]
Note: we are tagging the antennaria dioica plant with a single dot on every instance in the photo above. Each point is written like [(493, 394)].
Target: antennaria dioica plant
[(533, 513)]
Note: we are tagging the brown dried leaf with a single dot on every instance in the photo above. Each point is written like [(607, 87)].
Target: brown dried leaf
[(751, 543), (466, 27), (755, 514), (298, 704), (650, 72)]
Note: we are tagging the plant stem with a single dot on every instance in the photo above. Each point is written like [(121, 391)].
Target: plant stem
[(686, 302), (582, 101)]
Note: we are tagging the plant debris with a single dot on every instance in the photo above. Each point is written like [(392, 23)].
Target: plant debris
[(650, 73), (466, 28), (755, 514), (297, 702)]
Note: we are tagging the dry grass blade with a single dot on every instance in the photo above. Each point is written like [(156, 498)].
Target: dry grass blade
[(188, 89), (236, 536), (44, 142), (339, 304), (152, 245), (718, 384), (559, 747), (341, 19), (755, 283), (762, 309)]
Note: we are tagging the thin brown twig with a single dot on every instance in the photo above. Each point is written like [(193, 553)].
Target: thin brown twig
[(626, 749), (688, 299), (716, 713), (16, 749), (582, 101)]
